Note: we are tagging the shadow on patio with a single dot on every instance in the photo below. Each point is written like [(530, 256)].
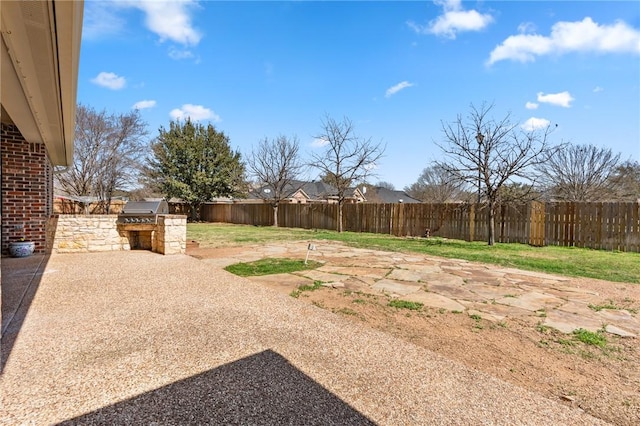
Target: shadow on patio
[(20, 281), (263, 388)]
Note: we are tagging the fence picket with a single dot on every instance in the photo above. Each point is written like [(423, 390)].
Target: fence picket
[(609, 226)]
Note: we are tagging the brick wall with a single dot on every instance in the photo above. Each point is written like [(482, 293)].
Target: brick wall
[(27, 189)]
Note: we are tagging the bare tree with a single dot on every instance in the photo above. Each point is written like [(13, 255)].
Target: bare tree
[(90, 130), (387, 185), (121, 157), (627, 179), (276, 166), (436, 185), (518, 192), (487, 154), (108, 149), (346, 159), (580, 173)]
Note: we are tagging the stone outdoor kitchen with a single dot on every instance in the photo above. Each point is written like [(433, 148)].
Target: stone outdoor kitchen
[(40, 57)]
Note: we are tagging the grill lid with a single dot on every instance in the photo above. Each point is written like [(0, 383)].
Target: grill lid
[(144, 208)]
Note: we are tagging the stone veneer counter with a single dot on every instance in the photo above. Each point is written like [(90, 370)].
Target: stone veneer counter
[(96, 233)]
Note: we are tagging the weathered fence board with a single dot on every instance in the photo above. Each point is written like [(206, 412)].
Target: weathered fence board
[(608, 226)]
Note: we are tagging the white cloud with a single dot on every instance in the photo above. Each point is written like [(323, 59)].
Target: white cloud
[(398, 87), (597, 89), (562, 99), (535, 123), (171, 20), (319, 143), (449, 4), (453, 20), (531, 105), (565, 37), (100, 19), (178, 54), (194, 112), (109, 80), (144, 104), (526, 27)]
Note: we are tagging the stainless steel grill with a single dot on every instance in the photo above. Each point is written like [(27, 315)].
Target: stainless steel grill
[(143, 212)]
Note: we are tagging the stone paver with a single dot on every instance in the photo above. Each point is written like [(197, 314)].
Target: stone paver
[(622, 318), (532, 301), (429, 268), (584, 297), (488, 292), (354, 284), (498, 311), (435, 300), (569, 322), (396, 287), (453, 291), (324, 276), (617, 330), (405, 275), (377, 273), (497, 293)]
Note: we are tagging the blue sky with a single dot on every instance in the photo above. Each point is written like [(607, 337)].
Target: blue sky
[(396, 69)]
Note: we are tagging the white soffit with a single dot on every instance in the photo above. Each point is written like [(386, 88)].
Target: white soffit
[(40, 57)]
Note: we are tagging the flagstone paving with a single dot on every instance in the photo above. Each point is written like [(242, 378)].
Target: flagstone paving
[(491, 292)]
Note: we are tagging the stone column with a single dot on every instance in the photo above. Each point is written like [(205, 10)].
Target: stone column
[(171, 234)]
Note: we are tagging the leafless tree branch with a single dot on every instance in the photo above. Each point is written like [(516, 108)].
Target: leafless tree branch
[(276, 166), (581, 173), (488, 154), (347, 159), (108, 152)]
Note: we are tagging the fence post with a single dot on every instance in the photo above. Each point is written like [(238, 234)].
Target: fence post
[(536, 223), (472, 222)]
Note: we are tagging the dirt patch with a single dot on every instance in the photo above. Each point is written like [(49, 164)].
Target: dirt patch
[(194, 249), (605, 382)]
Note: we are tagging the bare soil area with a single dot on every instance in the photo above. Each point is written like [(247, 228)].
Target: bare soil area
[(603, 381)]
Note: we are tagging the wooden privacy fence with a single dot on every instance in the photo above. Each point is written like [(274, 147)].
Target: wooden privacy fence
[(68, 206), (609, 226)]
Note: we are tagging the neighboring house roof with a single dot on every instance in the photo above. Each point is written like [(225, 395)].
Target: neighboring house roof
[(315, 190), (39, 61), (383, 195)]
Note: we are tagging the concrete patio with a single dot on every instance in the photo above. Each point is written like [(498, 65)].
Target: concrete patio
[(134, 337)]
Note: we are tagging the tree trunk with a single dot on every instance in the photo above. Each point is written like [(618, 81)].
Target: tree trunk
[(492, 223), (339, 216), (194, 212), (107, 204), (275, 215)]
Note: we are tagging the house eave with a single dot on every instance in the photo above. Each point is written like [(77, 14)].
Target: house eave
[(39, 66)]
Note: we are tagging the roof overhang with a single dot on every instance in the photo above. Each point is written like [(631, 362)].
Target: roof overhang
[(39, 61)]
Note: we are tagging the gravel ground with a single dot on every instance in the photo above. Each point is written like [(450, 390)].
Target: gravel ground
[(140, 338)]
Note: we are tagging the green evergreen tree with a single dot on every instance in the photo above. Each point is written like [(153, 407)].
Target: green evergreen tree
[(195, 164)]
